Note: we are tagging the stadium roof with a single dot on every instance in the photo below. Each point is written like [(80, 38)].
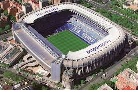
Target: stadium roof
[(116, 34), (33, 46), (111, 42)]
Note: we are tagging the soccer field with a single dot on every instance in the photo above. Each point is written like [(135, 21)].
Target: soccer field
[(66, 41)]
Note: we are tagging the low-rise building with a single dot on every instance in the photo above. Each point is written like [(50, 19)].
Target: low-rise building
[(4, 48), (7, 87), (19, 15), (131, 4), (5, 4), (136, 2), (15, 4), (34, 4), (9, 53), (105, 87), (11, 6), (27, 7), (12, 11), (55, 1), (127, 80), (43, 3)]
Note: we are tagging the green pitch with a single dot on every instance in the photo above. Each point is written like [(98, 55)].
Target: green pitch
[(66, 41)]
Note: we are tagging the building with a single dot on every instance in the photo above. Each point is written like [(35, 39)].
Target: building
[(43, 3), (16, 4), (9, 53), (5, 4), (135, 2), (73, 1), (105, 87), (26, 7), (12, 11), (4, 48), (7, 87), (8, 4), (137, 65), (131, 4), (55, 1), (127, 80), (12, 7), (34, 3), (105, 43), (19, 15), (38, 4)]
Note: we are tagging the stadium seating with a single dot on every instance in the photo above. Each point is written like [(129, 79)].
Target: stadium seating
[(87, 30)]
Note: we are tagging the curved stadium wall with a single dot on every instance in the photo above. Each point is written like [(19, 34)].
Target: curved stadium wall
[(83, 61)]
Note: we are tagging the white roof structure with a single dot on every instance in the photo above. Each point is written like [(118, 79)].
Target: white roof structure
[(105, 87), (115, 37), (115, 32)]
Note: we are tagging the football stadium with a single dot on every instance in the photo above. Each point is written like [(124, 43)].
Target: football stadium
[(69, 38)]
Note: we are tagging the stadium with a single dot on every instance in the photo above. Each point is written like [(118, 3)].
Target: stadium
[(69, 37)]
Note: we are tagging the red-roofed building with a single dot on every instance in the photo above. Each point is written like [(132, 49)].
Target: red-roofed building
[(127, 80), (12, 11), (128, 88), (13, 7), (15, 4), (5, 5), (7, 87)]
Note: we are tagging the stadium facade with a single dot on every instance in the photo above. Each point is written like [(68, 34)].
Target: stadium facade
[(105, 38)]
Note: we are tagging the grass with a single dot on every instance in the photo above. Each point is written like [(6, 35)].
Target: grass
[(13, 76), (131, 64), (66, 41), (96, 86)]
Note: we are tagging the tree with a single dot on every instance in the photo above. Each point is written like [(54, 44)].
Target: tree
[(4, 39), (12, 18), (1, 10), (82, 81), (76, 87), (111, 84), (101, 70), (7, 27), (20, 1), (36, 86), (5, 12), (1, 30), (137, 43), (44, 88)]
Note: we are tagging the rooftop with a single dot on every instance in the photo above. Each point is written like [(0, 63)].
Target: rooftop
[(105, 87), (127, 79)]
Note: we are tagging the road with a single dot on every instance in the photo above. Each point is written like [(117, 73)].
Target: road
[(111, 70)]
